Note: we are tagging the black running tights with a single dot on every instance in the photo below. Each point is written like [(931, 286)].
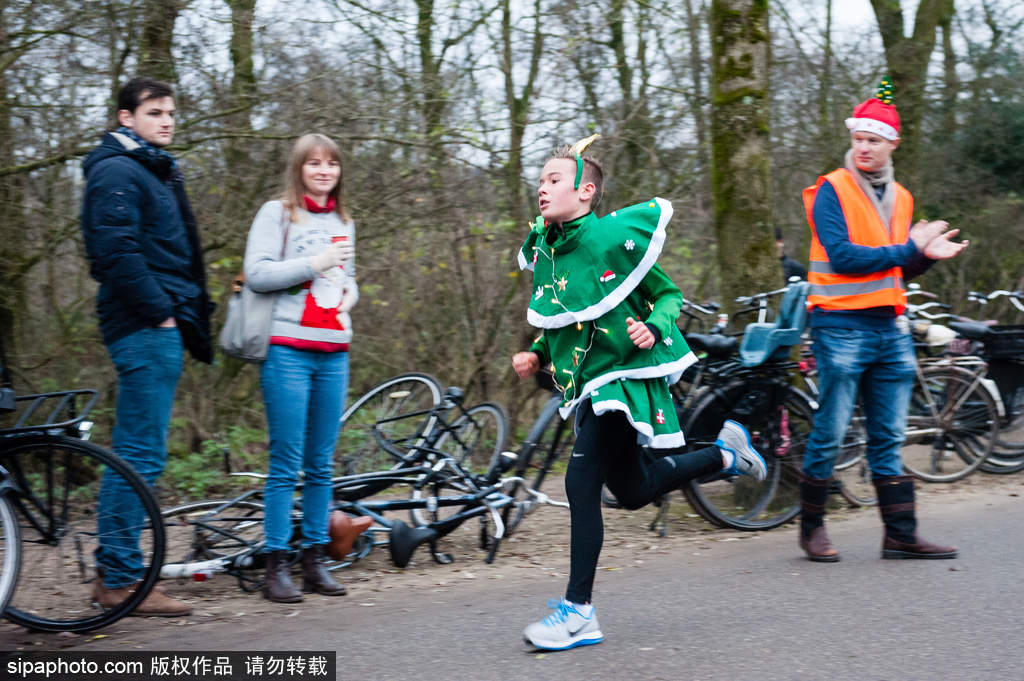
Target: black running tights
[(606, 452)]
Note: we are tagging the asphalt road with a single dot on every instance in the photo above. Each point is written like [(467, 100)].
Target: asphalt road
[(747, 609)]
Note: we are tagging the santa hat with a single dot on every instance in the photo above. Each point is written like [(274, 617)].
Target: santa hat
[(877, 115)]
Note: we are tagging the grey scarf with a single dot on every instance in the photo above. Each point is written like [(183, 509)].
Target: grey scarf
[(867, 183)]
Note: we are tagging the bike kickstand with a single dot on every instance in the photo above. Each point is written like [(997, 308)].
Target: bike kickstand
[(440, 558), (493, 551)]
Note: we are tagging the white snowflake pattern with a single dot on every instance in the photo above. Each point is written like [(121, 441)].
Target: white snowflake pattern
[(668, 342), (629, 245), (540, 292)]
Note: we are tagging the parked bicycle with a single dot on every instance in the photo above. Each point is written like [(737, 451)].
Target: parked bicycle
[(51, 477)]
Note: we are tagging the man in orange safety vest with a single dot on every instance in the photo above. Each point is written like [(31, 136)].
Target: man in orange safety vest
[(863, 249)]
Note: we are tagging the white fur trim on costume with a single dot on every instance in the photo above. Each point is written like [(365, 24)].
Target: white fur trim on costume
[(672, 369), (871, 125), (610, 301), (523, 263), (666, 441)]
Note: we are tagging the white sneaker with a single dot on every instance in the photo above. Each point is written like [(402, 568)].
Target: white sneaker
[(563, 629), (745, 459)]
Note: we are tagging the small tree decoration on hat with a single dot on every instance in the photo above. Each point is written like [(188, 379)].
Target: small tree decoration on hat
[(577, 150), (877, 115), (885, 90)]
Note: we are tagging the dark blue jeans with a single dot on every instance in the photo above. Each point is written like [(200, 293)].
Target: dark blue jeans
[(881, 366), (304, 392), (148, 365)]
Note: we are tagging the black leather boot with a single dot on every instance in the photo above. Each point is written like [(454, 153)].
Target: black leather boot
[(896, 506), (813, 539), (315, 577), (277, 583)]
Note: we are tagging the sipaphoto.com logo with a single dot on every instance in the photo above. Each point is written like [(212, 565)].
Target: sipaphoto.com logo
[(50, 668)]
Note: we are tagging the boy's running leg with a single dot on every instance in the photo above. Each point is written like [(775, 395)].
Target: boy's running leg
[(574, 622)]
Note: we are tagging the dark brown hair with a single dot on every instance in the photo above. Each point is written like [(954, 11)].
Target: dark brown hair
[(592, 172), (139, 90)]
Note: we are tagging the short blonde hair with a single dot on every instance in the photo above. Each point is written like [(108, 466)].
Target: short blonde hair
[(592, 172), (295, 188)]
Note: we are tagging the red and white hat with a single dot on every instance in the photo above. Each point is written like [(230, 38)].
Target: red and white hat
[(877, 115)]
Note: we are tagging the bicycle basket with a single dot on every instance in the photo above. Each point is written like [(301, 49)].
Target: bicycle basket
[(1005, 341)]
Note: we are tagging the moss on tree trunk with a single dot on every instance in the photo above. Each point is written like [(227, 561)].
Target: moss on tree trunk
[(741, 172)]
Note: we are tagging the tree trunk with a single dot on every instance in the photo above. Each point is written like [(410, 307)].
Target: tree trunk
[(155, 59), (12, 227), (693, 28), (950, 84), (243, 94), (741, 176), (434, 98), (907, 59)]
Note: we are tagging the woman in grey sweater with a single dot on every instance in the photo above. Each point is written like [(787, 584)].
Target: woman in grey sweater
[(303, 248)]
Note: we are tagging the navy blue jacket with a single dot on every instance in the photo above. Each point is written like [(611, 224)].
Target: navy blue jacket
[(143, 246), (846, 257)]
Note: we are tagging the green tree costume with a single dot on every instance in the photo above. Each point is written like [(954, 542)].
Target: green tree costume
[(589, 276)]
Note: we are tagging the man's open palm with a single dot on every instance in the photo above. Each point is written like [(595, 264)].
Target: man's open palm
[(941, 248)]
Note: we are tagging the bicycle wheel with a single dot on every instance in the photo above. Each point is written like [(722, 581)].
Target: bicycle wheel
[(396, 412), (10, 551), (475, 440), (851, 469), (779, 419), (548, 440), (218, 528), (955, 440), (65, 526)]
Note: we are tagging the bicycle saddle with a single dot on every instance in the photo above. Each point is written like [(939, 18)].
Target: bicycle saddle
[(970, 330), (405, 540), (715, 346)]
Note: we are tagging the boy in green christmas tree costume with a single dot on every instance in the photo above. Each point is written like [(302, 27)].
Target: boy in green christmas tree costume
[(607, 313)]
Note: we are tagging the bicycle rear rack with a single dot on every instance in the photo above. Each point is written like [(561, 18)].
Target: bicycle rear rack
[(65, 416)]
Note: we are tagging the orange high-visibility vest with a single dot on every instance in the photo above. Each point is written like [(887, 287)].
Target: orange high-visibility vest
[(833, 291)]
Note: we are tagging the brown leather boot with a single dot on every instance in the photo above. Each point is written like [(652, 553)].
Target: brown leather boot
[(277, 583), (315, 577), (922, 549), (818, 547), (897, 508), (813, 539), (156, 604)]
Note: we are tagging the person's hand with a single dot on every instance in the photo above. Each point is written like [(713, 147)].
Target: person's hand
[(924, 232), (168, 323), (526, 364), (639, 334), (334, 255), (348, 299), (941, 248)]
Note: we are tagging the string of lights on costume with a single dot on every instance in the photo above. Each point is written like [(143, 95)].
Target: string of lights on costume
[(586, 284)]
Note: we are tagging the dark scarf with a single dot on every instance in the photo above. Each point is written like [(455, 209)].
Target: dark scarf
[(157, 160)]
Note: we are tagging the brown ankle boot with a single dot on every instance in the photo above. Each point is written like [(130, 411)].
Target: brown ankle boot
[(277, 584), (315, 577), (156, 604), (818, 547)]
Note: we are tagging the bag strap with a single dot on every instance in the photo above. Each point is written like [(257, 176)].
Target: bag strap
[(286, 225)]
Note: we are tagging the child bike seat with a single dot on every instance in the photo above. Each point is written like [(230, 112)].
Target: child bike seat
[(764, 342)]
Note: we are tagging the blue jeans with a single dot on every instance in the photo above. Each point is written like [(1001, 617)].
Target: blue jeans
[(881, 365), (148, 364), (304, 392)]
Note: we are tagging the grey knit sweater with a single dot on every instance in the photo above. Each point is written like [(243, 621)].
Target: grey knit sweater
[(306, 308)]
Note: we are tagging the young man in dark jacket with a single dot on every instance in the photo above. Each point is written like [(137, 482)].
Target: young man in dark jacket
[(143, 246)]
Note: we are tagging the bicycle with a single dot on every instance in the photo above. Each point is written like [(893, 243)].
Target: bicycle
[(53, 479)]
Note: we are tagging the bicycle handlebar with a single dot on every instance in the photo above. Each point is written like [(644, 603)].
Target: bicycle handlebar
[(743, 300)]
